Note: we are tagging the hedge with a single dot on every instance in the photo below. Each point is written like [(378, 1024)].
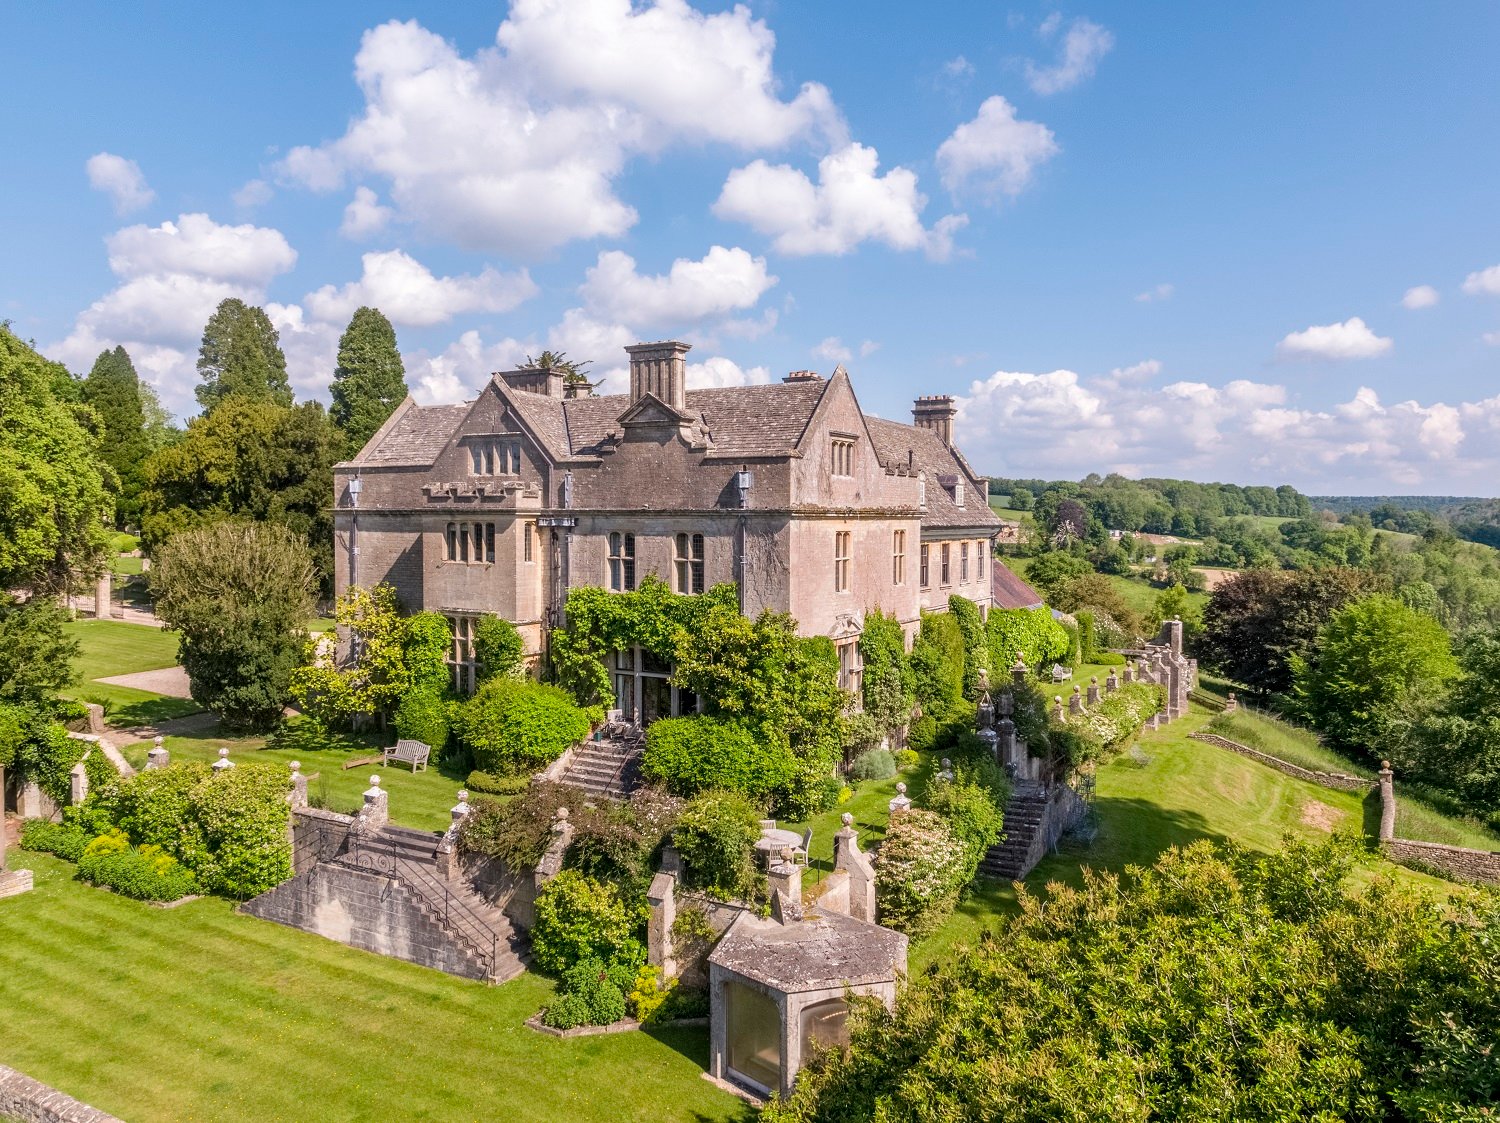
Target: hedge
[(145, 874), (578, 918), (1030, 632), (701, 753), (512, 725)]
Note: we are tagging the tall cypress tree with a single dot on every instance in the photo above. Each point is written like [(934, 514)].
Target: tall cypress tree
[(113, 389), (241, 356), (370, 381)]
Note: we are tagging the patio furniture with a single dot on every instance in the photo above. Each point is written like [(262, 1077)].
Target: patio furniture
[(413, 753)]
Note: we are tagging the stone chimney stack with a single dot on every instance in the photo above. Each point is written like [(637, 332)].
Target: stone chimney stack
[(660, 369), (935, 412)]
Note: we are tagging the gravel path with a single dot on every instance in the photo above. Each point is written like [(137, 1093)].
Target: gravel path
[(170, 681)]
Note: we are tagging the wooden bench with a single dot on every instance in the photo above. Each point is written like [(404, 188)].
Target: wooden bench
[(414, 753), (1059, 672)]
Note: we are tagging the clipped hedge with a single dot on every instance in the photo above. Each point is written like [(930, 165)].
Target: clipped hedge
[(145, 874), (702, 753), (1030, 632), (66, 841), (512, 725), (919, 873), (487, 783)]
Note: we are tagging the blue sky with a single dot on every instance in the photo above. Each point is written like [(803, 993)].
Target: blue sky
[(1258, 244)]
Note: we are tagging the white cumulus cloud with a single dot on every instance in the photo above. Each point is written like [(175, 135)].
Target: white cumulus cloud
[(851, 203), (255, 193), (1351, 339), (517, 148), (365, 215), (408, 292), (195, 245), (723, 281), (120, 179), (719, 371), (833, 350), (995, 154), (1485, 282), (1420, 296), (1083, 45)]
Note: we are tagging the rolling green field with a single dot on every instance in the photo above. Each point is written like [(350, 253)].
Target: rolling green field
[(113, 647), (1137, 592), (198, 1013)]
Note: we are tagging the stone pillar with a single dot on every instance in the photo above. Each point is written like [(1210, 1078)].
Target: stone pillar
[(1112, 683), (1018, 672), (1231, 705), (29, 800), (1007, 704), (157, 755), (1093, 690), (1387, 802), (1057, 707), (848, 857), (12, 882), (662, 897), (901, 802), (785, 877), (297, 797), (986, 711), (377, 809), (78, 784), (223, 764), (552, 861), (1075, 700), (1007, 741), (1129, 672), (1172, 633), (101, 596)]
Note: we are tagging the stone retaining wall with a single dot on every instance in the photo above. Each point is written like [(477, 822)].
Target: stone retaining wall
[(34, 1102), (1340, 780), (1454, 861)]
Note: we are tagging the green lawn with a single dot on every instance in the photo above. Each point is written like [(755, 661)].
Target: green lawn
[(113, 647), (422, 800), (126, 565), (200, 1013)]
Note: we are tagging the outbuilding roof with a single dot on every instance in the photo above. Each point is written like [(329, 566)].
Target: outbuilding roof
[(822, 950)]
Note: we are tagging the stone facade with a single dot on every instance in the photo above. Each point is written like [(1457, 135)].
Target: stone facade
[(789, 490)]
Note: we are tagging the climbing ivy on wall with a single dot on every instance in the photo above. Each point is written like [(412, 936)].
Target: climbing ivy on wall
[(599, 622), (976, 650), (1028, 632)]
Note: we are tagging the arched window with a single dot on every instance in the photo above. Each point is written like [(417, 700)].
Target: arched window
[(826, 1025)]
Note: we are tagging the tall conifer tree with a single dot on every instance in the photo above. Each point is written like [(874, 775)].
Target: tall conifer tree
[(370, 381), (113, 389), (241, 356)]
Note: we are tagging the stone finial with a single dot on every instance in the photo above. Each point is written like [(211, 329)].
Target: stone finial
[(1093, 689), (297, 797), (156, 742), (560, 818), (986, 711), (461, 808), (947, 771), (1129, 672), (1057, 707), (901, 802), (223, 762), (847, 819), (376, 811), (157, 755), (1018, 670), (1075, 701), (1112, 683), (1007, 704)]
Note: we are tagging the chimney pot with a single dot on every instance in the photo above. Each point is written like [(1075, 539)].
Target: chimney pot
[(935, 412), (659, 369)]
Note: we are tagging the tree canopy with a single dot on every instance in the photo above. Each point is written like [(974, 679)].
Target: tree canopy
[(240, 356), (54, 499), (369, 381), (113, 390)]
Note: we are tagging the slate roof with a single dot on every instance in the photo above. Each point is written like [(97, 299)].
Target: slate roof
[(823, 949), (1008, 590), (896, 443), (417, 437)]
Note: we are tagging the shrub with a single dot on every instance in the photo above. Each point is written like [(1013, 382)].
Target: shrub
[(908, 758), (971, 804), (617, 841), (716, 835), (860, 733), (67, 842), (578, 918), (425, 642), (487, 783), (937, 661), (147, 874), (1117, 717), (423, 716), (567, 1011), (498, 648), (877, 764), (519, 832), (648, 995), (976, 650), (702, 753), (511, 725), (920, 872)]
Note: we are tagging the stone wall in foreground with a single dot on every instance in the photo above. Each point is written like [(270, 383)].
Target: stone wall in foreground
[(31, 1101)]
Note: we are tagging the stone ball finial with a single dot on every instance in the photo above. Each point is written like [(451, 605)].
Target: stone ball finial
[(900, 789), (786, 853), (295, 766), (375, 781), (847, 818), (1057, 698), (1385, 766), (1076, 688), (1092, 678), (157, 741), (463, 796), (223, 754), (562, 815), (947, 763)]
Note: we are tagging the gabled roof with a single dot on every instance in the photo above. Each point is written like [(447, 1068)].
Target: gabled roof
[(898, 444), (1007, 590), (414, 435), (820, 951)]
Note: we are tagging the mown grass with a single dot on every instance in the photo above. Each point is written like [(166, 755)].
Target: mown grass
[(1280, 739), (112, 647), (199, 1013), (423, 800)]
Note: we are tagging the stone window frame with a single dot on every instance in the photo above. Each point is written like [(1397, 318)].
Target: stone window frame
[(486, 456), (460, 657), (469, 543), (945, 564), (841, 453), (688, 568), (851, 667), (621, 561), (528, 533), (841, 556), (898, 557), (963, 563), (925, 565), (980, 549)]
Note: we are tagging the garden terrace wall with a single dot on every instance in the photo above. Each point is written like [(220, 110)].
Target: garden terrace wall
[(31, 1101), (1339, 780)]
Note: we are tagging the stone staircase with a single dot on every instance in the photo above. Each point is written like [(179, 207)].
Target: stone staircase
[(483, 935), (611, 769), (1012, 858)]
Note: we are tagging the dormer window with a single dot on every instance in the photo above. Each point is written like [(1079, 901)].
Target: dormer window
[(958, 493), (495, 458), (843, 456)]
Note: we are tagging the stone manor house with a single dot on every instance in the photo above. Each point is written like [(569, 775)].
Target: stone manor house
[(790, 490)]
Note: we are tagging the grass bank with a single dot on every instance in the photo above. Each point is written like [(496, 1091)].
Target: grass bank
[(112, 647)]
